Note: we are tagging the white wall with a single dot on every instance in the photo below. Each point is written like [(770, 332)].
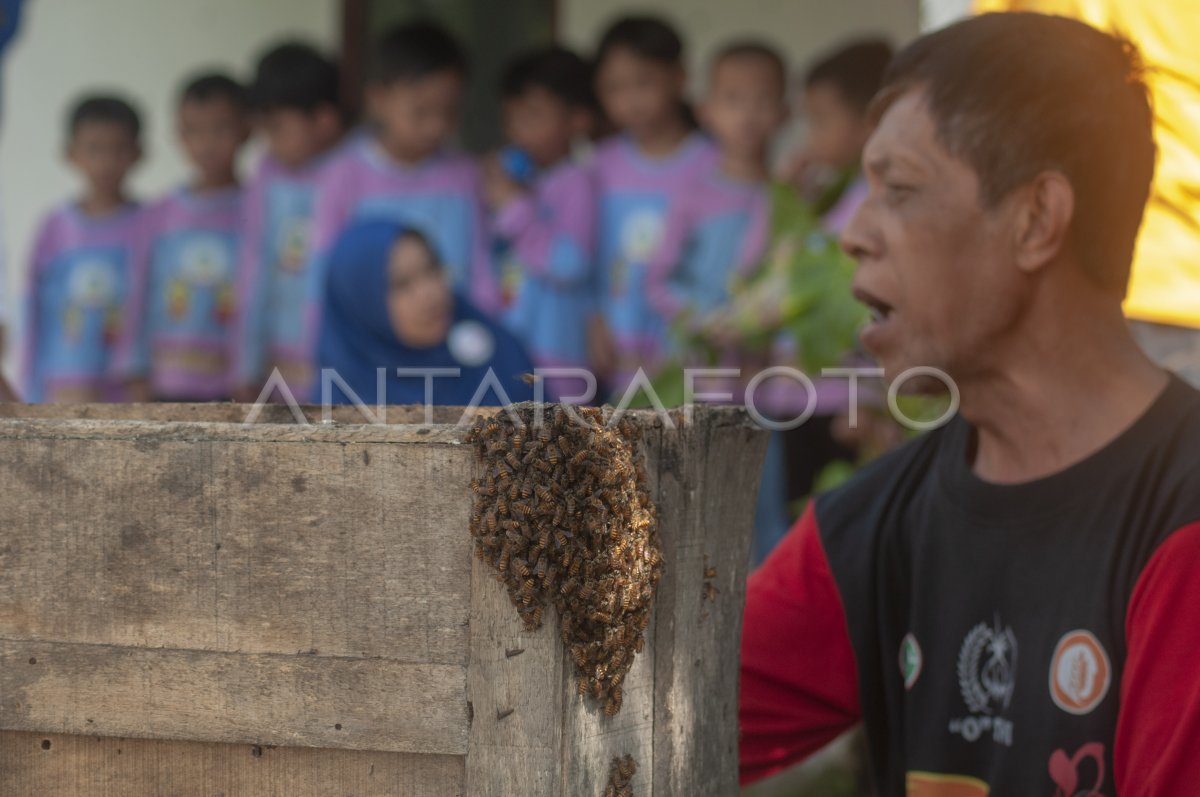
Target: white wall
[(142, 48)]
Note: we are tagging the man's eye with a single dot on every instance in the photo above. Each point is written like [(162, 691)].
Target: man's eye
[(897, 191)]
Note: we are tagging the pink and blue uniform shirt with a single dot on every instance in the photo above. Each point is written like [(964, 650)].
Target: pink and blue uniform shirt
[(635, 194), (77, 297), (183, 291), (274, 320), (546, 270)]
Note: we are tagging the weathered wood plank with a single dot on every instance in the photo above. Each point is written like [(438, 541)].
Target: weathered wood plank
[(296, 701), (53, 765), (590, 739), (707, 512), (223, 412), (514, 684), (348, 550)]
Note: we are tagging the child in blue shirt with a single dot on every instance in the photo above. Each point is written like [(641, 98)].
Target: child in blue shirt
[(546, 223), (78, 277), (296, 102)]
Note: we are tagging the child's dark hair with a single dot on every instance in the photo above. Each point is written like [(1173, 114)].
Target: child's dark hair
[(648, 37), (295, 76), (558, 70), (751, 48), (215, 86), (855, 70), (104, 109), (416, 50)]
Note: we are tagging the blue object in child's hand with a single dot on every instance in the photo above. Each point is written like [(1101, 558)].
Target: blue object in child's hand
[(517, 164)]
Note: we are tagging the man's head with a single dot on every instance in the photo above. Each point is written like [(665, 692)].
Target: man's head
[(746, 99), (296, 100), (104, 142), (837, 92), (548, 103), (416, 87), (214, 124), (1008, 172)]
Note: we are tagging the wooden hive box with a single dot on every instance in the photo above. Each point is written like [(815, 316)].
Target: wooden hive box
[(191, 605)]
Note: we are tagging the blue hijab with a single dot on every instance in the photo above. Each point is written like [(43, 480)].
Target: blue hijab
[(356, 335)]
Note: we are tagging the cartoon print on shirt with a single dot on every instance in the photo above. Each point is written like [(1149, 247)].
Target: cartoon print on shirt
[(92, 286), (639, 236), (294, 238), (205, 265)]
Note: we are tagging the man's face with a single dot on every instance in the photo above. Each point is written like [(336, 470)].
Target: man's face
[(935, 267)]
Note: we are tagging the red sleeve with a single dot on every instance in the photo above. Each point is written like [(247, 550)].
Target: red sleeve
[(799, 685), (1157, 749)]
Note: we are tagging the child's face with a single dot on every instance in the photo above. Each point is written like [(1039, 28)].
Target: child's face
[(542, 125), (104, 153), (213, 132), (638, 94), (417, 117), (744, 106), (419, 298), (837, 132), (294, 136)]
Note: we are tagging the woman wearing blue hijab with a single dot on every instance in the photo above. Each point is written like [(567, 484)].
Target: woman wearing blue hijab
[(388, 305)]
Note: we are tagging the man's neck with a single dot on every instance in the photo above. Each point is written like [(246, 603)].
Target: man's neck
[(1068, 395)]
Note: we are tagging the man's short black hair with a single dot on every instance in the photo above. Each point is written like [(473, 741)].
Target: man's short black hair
[(215, 86), (855, 70), (558, 70), (295, 76), (755, 49), (416, 50), (105, 109), (1017, 94)]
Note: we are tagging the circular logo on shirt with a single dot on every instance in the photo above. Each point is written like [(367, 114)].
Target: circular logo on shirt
[(205, 263), (911, 660), (93, 283), (640, 235), (471, 343), (1080, 673)]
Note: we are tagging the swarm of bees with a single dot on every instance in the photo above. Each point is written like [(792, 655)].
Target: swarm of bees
[(620, 777), (563, 515)]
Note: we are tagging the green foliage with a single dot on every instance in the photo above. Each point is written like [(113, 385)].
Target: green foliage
[(800, 294)]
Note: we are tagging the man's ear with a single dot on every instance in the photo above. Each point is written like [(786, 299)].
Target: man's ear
[(1046, 207)]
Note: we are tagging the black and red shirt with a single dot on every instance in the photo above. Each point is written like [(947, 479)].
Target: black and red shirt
[(1039, 639)]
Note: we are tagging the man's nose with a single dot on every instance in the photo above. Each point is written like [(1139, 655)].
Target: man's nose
[(856, 238)]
